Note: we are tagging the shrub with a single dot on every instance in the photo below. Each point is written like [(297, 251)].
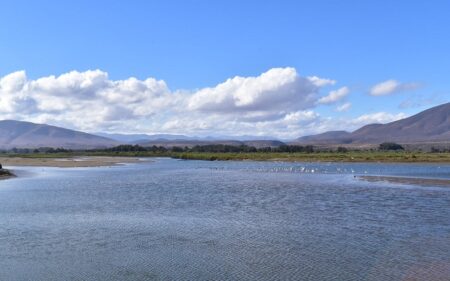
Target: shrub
[(342, 149), (390, 146)]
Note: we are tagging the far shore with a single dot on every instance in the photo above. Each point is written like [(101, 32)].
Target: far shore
[(69, 162), (108, 158)]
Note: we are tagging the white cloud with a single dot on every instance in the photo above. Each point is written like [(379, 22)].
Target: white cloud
[(13, 97), (321, 82), (279, 89), (278, 102), (378, 117), (288, 127), (390, 87), (83, 100), (344, 107), (335, 96), (91, 101)]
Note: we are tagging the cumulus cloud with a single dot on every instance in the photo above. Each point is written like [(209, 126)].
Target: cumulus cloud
[(91, 101), (279, 89), (82, 99), (390, 87), (287, 127), (13, 96), (321, 82), (278, 102), (344, 107), (378, 117), (335, 96)]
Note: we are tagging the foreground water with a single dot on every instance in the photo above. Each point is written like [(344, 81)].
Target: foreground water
[(193, 220)]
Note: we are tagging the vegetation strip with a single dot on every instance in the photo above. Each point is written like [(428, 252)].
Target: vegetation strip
[(386, 153)]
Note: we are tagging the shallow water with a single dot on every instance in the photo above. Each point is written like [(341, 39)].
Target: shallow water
[(198, 220)]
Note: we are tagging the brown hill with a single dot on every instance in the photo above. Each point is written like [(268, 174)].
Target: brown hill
[(30, 135), (431, 125)]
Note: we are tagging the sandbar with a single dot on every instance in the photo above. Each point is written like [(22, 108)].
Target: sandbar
[(409, 181), (71, 162)]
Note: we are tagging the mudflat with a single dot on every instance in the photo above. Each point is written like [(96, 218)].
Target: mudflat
[(408, 180), (70, 162)]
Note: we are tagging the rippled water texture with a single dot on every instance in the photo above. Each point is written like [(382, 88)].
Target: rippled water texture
[(193, 220)]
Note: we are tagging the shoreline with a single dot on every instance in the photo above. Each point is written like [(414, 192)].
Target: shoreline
[(79, 161), (68, 162), (319, 156)]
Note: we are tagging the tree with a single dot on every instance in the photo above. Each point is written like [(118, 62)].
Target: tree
[(342, 149), (177, 149), (390, 146)]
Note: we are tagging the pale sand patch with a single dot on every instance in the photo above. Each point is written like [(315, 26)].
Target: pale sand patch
[(410, 181), (91, 161)]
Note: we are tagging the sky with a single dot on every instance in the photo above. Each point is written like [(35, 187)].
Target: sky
[(282, 69)]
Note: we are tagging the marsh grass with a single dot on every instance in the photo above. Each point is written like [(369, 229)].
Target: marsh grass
[(355, 156), (351, 156)]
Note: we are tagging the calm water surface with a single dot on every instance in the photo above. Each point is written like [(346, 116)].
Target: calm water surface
[(195, 220)]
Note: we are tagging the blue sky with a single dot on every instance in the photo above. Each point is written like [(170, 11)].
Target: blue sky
[(192, 46)]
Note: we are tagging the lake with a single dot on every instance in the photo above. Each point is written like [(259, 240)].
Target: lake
[(166, 219)]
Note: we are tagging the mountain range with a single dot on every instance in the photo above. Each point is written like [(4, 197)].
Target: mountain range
[(191, 143), (429, 126), (145, 138), (142, 138)]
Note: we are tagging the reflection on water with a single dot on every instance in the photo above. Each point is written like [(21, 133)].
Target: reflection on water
[(194, 220)]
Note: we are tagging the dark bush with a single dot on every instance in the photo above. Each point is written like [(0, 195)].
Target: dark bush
[(342, 149), (390, 146)]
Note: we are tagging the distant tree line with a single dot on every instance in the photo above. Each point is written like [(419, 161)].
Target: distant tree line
[(37, 150), (210, 148), (390, 146), (221, 148), (439, 150), (214, 148), (132, 148)]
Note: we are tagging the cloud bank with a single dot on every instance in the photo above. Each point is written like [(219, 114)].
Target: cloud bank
[(278, 102)]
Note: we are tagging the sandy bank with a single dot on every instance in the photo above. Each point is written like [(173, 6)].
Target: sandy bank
[(411, 181), (97, 161)]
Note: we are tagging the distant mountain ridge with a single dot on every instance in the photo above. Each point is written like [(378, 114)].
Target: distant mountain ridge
[(140, 138), (191, 143), (327, 137), (431, 125), (22, 134), (144, 138)]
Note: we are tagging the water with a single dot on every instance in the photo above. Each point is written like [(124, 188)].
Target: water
[(196, 220)]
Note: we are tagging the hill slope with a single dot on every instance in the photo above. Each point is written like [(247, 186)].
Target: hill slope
[(142, 138), (431, 125), (327, 137), (30, 135)]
